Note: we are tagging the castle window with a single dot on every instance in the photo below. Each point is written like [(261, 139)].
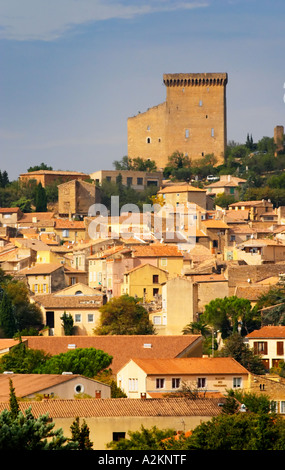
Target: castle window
[(148, 128), (148, 140), (186, 133), (200, 103), (212, 132)]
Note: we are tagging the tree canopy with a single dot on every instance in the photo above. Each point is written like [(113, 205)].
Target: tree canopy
[(124, 316)]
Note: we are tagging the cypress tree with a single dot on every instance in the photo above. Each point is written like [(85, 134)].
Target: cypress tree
[(7, 317), (40, 198), (13, 402)]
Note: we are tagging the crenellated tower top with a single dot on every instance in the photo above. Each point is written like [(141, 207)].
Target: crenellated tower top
[(195, 79)]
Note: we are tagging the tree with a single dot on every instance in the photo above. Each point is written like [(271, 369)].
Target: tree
[(124, 316), (67, 323), (81, 435), (236, 348), (226, 314), (7, 317), (22, 360), (83, 361), (42, 166), (40, 199), (13, 402), (145, 439)]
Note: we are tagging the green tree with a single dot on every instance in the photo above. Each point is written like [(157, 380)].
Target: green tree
[(42, 166), (28, 315), (67, 323), (145, 439), (40, 198), (7, 317), (80, 435), (13, 402), (83, 361), (22, 360), (124, 316), (236, 348)]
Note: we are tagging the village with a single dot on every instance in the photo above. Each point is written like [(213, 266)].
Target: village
[(171, 259)]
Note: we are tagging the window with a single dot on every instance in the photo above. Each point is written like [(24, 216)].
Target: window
[(280, 348), (118, 435), (232, 190), (44, 288), (233, 237), (176, 383), (282, 406), (140, 181), (133, 385), (237, 382), (65, 233), (90, 317), (36, 289), (77, 318), (79, 388), (155, 279), (108, 178), (260, 347), (129, 181), (186, 133), (155, 292), (201, 382), (148, 140), (200, 103), (156, 319), (163, 261), (160, 383), (212, 132)]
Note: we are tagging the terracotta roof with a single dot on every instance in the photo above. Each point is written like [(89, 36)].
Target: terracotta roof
[(53, 172), (69, 224), (191, 365), (41, 268), (6, 344), (27, 384), (273, 332), (180, 188), (156, 250), (5, 210), (250, 203), (116, 407), (121, 347), (251, 292), (40, 216), (83, 302), (212, 223)]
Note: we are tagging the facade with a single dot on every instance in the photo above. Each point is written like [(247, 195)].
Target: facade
[(174, 195), (153, 377), (227, 185), (192, 120), (47, 177), (138, 180), (44, 278), (75, 198), (269, 343), (256, 209), (145, 282)]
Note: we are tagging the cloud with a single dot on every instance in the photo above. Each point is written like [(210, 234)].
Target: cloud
[(48, 20)]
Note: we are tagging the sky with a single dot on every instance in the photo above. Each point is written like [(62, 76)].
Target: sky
[(73, 71)]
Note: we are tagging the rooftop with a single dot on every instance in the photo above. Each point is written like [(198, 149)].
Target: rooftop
[(273, 332)]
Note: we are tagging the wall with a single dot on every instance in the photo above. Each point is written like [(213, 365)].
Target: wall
[(194, 102)]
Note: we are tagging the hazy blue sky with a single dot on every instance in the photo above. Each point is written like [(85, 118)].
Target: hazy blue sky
[(73, 71)]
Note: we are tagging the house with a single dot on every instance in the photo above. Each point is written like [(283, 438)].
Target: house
[(10, 216), (44, 278), (179, 306), (64, 386), (48, 177), (228, 185), (164, 256), (13, 259), (78, 300), (154, 377), (70, 230), (217, 234), (208, 287), (252, 292), (259, 251), (75, 198), (40, 221), (112, 419), (138, 180), (271, 385), (256, 209), (121, 347), (268, 342), (144, 281), (183, 193)]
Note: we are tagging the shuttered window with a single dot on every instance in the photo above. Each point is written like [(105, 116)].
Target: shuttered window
[(280, 348)]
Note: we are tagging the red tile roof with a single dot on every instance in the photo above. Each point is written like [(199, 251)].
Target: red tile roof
[(155, 250), (191, 365), (122, 347), (268, 332), (116, 407)]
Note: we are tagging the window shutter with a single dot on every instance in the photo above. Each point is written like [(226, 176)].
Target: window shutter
[(280, 348), (265, 347)]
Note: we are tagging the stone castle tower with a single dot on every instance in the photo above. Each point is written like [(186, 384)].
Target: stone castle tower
[(192, 120)]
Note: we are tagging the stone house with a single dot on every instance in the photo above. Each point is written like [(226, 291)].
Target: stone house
[(70, 230), (178, 194), (228, 185), (256, 209), (144, 281), (44, 278), (138, 180), (75, 198), (10, 216), (155, 377), (48, 177)]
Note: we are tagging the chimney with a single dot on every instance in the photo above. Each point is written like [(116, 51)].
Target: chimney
[(143, 396), (97, 393)]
